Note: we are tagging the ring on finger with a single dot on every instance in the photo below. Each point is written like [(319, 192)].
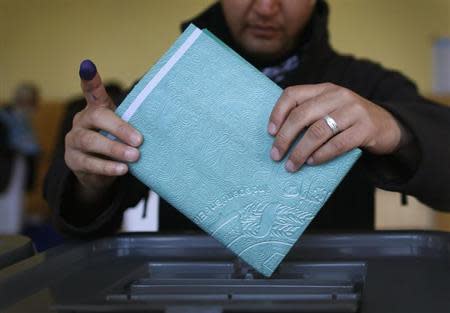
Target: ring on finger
[(332, 124)]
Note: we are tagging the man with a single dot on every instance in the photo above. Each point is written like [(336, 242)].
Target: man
[(342, 103), (19, 150)]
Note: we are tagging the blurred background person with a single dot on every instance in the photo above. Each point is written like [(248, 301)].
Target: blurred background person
[(38, 224), (19, 150)]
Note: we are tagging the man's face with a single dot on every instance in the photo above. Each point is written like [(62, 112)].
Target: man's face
[(267, 29), (26, 100)]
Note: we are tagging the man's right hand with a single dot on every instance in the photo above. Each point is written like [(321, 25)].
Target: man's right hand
[(96, 160)]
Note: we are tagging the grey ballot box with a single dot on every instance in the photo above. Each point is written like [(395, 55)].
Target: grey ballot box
[(357, 272), (14, 248)]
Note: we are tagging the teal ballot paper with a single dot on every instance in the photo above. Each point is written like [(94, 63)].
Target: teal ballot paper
[(203, 111)]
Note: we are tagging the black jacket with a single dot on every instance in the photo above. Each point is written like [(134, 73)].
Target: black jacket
[(422, 170)]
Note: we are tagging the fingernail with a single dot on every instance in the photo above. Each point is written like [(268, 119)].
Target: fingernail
[(310, 161), (136, 139), (290, 166), (87, 70), (272, 128), (131, 154), (121, 169), (275, 154)]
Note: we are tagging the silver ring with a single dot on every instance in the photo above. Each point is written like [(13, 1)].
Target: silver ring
[(332, 124)]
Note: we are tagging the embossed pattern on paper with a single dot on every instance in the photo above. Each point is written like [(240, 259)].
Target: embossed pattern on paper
[(206, 151)]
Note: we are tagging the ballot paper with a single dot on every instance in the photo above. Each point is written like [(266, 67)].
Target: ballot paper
[(203, 111)]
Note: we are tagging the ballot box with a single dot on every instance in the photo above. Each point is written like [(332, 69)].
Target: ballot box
[(371, 272), (14, 248)]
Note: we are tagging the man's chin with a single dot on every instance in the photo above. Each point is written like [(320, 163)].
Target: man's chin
[(263, 50)]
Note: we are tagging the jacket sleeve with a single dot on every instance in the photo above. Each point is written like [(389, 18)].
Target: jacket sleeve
[(69, 216), (421, 169)]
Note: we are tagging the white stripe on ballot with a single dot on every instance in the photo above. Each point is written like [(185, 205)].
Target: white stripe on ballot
[(160, 75)]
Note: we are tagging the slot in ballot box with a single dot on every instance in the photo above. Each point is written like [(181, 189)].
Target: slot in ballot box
[(371, 272)]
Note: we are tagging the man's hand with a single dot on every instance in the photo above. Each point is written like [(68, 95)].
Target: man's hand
[(94, 159), (361, 123)]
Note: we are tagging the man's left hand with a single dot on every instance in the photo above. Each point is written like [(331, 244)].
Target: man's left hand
[(360, 123)]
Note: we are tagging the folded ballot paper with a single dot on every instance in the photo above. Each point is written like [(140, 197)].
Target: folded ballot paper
[(203, 111)]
